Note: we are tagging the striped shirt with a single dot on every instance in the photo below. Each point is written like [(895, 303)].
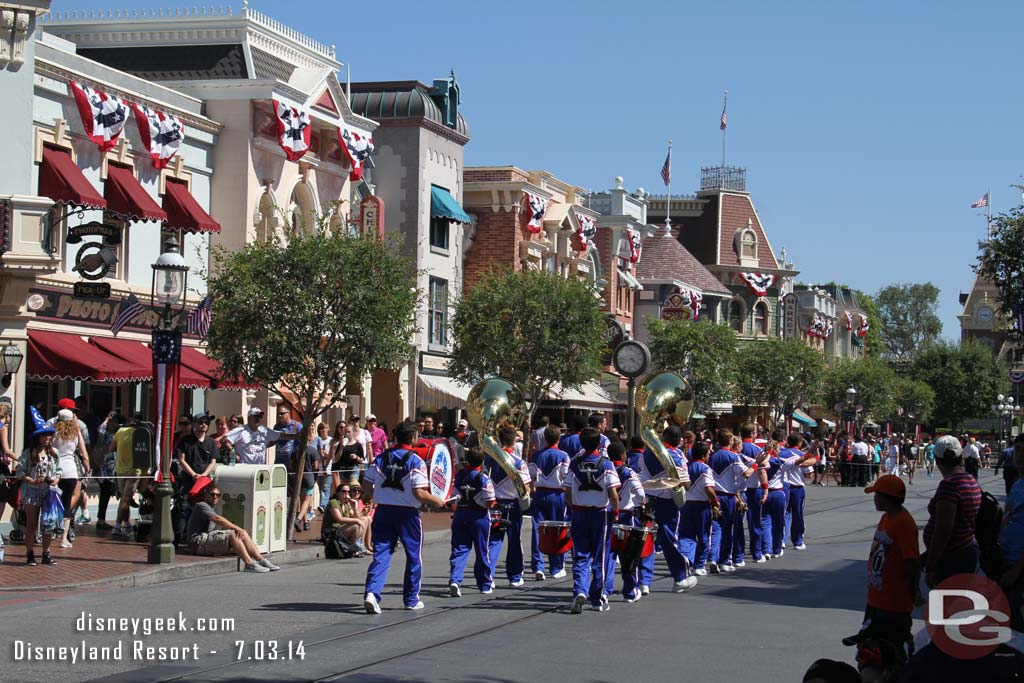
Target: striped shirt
[(961, 489)]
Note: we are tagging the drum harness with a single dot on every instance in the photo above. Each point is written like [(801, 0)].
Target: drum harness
[(396, 471)]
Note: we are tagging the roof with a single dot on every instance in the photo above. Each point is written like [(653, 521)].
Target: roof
[(400, 100), (664, 258), (267, 65), (174, 62), (737, 213)]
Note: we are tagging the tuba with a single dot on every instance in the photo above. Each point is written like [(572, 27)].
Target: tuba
[(662, 398), (489, 404)]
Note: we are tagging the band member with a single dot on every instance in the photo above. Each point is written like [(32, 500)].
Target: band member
[(666, 513), (797, 490), (471, 525), (636, 452), (778, 468), (756, 493), (570, 442), (646, 569), (701, 503), (730, 478), (508, 502), (592, 490), (631, 500), (548, 468), (600, 423), (397, 482)]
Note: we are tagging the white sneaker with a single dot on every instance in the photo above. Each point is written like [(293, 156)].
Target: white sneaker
[(682, 586), (66, 544), (419, 605), (701, 572), (370, 604), (603, 606), (539, 576), (518, 583), (783, 546), (560, 574), (577, 604), (728, 568), (257, 568), (802, 546), (486, 591), (740, 564), (635, 596), (778, 554), (645, 590), (761, 560), (714, 568), (454, 590), (269, 565)]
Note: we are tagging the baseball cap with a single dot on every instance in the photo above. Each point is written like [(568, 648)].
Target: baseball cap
[(67, 404), (200, 417), (371, 416), (65, 415), (947, 448), (463, 423), (890, 485), (254, 411)]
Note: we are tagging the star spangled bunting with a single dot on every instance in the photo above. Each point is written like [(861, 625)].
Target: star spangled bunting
[(103, 115), (862, 330), (981, 203), (849, 320), (666, 168), (636, 244), (536, 206), (130, 307), (691, 298), (588, 228), (166, 374), (162, 134), (758, 282), (198, 321), (293, 130), (357, 146)]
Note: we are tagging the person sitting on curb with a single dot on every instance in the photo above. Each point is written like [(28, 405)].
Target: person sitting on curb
[(209, 534)]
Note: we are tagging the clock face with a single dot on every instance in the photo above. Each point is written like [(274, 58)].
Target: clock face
[(631, 358), (985, 314)]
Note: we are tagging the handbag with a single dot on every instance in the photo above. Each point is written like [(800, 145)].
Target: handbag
[(337, 547)]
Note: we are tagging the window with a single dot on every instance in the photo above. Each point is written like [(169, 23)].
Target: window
[(439, 229), (761, 318), (736, 316), (748, 244), (438, 304)]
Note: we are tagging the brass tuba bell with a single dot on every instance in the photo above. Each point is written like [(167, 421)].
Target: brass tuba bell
[(662, 398), (489, 404)]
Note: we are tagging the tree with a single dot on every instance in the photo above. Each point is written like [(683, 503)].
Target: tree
[(1002, 259), (874, 382), (908, 319), (874, 346), (778, 373), (310, 316), (914, 401), (703, 353), (533, 328), (965, 377)]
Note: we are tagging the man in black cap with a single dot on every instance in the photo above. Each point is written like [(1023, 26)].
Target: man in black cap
[(196, 453)]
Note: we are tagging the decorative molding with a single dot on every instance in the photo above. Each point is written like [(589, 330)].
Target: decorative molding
[(58, 136)]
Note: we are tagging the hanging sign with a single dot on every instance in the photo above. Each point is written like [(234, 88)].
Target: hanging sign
[(371, 215), (111, 234)]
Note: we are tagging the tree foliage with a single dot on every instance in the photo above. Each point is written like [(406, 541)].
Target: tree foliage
[(874, 346), (704, 353), (908, 320), (914, 402), (1002, 258), (965, 377), (778, 373), (534, 328), (873, 380)]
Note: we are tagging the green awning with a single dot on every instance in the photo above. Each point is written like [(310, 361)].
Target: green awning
[(443, 205), (857, 340), (803, 418)]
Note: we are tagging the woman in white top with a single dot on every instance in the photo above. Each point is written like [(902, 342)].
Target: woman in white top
[(70, 449)]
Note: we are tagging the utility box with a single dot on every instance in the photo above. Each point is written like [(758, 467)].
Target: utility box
[(278, 507), (245, 499)]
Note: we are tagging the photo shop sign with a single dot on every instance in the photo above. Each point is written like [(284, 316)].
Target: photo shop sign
[(54, 304)]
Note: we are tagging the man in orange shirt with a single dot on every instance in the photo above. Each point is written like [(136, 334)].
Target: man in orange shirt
[(894, 568)]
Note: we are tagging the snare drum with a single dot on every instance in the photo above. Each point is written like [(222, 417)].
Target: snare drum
[(632, 541), (554, 538)]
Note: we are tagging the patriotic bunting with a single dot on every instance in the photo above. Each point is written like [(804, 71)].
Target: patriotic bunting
[(636, 244), (162, 134), (862, 329), (129, 308), (358, 149), (103, 115), (693, 299), (820, 328), (849, 320), (537, 206), (293, 130), (588, 228), (166, 373), (198, 321), (758, 282)]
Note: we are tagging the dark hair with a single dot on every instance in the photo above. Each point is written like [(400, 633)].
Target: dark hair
[(578, 423), (595, 419), (405, 433), (723, 437), (689, 435), (552, 435), (616, 451), (590, 439), (506, 435), (636, 443), (832, 671), (778, 435), (700, 451), (474, 457), (544, 421), (794, 439), (672, 435), (747, 430)]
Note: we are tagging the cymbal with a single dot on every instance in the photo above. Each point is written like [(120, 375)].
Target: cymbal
[(662, 484)]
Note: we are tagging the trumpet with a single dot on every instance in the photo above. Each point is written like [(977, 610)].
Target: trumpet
[(489, 404), (660, 398)]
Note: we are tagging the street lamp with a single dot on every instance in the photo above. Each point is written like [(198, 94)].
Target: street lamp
[(851, 414), (168, 288), (10, 363)]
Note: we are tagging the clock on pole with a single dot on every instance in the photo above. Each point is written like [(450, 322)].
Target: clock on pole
[(632, 359)]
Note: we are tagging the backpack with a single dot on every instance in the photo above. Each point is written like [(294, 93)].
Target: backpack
[(987, 525), (337, 547)]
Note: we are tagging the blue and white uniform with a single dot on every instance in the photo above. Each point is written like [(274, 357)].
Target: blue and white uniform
[(729, 481), (394, 474), (631, 496), (548, 469), (508, 501), (758, 522), (794, 477), (666, 514), (590, 478), (778, 468), (695, 524), (471, 527)]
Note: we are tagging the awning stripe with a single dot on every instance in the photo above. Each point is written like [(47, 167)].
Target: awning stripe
[(434, 391), (803, 418), (443, 205), (58, 356)]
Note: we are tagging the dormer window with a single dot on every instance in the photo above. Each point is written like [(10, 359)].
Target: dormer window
[(746, 245)]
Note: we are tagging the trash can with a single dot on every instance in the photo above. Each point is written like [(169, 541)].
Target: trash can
[(278, 505), (245, 499)]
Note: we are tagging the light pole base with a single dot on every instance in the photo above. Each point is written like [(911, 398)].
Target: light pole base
[(161, 536)]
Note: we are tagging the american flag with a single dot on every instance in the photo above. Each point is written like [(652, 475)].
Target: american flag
[(198, 321), (130, 307), (666, 168), (981, 202), (721, 126)]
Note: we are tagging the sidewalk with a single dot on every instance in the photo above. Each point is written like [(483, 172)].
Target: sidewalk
[(100, 562)]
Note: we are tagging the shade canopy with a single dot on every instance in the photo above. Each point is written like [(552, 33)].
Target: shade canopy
[(61, 180), (443, 205), (184, 212), (127, 197)]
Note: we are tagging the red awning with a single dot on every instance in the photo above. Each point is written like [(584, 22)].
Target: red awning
[(127, 197), (139, 354), (62, 181), (184, 212), (199, 362), (59, 356)]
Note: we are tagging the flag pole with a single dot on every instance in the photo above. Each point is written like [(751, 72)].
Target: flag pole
[(988, 219), (668, 202), (725, 102)]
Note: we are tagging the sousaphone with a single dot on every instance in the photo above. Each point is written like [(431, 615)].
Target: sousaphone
[(489, 404)]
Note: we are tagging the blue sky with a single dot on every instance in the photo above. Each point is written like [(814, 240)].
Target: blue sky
[(867, 130)]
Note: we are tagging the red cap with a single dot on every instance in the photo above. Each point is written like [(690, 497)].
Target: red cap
[(198, 487), (67, 404), (890, 485)]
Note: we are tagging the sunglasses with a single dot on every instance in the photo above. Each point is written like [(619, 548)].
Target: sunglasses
[(215, 495)]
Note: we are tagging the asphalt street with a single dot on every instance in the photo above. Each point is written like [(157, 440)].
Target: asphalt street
[(765, 620)]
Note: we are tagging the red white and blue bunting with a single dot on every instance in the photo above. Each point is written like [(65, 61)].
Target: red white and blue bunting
[(103, 115), (758, 282), (693, 299), (582, 238), (862, 329), (820, 328), (161, 134), (849, 320), (636, 244), (293, 130), (357, 146), (536, 206)]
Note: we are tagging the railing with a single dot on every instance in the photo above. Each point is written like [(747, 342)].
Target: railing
[(723, 178), (675, 197), (273, 24), (5, 226)]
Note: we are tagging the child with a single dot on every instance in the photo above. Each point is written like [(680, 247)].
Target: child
[(701, 503), (548, 468), (631, 498), (471, 525), (592, 490)]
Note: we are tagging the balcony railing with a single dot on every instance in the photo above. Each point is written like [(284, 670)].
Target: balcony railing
[(723, 178)]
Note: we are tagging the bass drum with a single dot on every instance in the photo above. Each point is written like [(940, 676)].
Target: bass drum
[(440, 465)]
